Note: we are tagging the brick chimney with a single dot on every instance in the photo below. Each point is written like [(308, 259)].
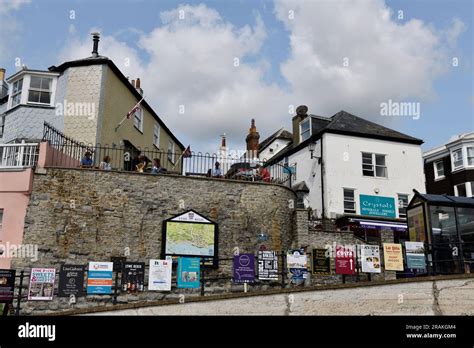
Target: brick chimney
[(2, 74), (252, 141), (301, 114), (137, 86)]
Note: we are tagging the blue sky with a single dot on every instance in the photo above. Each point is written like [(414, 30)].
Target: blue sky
[(40, 34)]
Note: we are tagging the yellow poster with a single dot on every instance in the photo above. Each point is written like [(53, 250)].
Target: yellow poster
[(393, 257)]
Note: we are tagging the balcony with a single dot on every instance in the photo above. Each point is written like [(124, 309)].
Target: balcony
[(17, 156)]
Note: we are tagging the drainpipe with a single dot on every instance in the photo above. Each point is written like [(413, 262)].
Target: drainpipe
[(323, 213)]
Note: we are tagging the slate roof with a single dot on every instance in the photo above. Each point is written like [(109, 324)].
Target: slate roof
[(279, 134), (347, 124)]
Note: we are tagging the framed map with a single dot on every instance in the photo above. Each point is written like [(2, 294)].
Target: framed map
[(190, 234)]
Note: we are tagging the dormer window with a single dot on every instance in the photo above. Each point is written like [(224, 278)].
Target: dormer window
[(305, 129), (40, 90), (32, 88)]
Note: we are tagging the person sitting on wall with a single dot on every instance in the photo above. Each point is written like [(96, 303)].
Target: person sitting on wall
[(86, 161), (157, 168), (105, 164), (263, 174), (209, 173), (141, 165), (217, 173)]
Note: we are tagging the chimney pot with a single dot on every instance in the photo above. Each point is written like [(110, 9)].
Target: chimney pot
[(2, 74), (138, 83), (95, 48), (133, 83)]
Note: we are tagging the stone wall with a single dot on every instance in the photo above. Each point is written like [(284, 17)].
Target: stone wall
[(80, 215)]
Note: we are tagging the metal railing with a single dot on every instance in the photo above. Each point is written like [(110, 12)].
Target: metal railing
[(22, 155)]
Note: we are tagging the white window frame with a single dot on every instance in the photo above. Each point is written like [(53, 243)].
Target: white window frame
[(171, 155), (138, 118), (2, 125), (456, 192), (467, 156), (404, 207), (349, 211), (41, 90), (374, 165), (24, 94), (17, 93), (307, 119), (454, 168), (436, 175), (156, 135)]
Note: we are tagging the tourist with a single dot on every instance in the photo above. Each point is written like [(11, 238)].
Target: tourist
[(217, 173), (86, 161), (141, 165), (263, 174), (105, 164), (157, 168)]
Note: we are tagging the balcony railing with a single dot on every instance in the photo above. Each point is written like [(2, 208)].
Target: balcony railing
[(18, 155)]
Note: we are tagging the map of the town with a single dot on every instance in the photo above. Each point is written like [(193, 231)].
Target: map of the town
[(189, 239)]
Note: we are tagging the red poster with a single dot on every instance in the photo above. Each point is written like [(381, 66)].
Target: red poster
[(345, 260)]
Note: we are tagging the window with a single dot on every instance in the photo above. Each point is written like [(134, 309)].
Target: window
[(368, 167), (460, 190), (470, 156), (156, 135), (402, 205), (305, 129), (171, 151), (40, 90), (2, 125), (438, 169), (138, 119), (16, 92), (349, 201), (457, 159)]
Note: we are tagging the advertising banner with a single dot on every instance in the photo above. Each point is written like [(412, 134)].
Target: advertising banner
[(189, 270), (416, 224), (415, 253), (133, 277), (370, 258), (393, 257), (321, 264), (71, 280), (7, 285), (296, 259), (345, 260), (41, 284), (159, 276), (244, 268), (99, 278), (267, 265)]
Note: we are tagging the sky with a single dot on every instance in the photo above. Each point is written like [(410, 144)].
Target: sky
[(209, 67)]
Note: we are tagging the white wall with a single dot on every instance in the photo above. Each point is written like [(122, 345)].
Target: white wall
[(343, 168), (277, 145)]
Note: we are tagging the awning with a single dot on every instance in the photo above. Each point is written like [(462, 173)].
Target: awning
[(398, 226)]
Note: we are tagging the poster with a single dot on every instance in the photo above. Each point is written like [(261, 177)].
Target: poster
[(71, 280), (370, 258), (345, 260), (296, 259), (244, 268), (159, 275), (297, 264), (415, 254), (267, 265), (393, 257), (320, 262), (41, 284), (133, 277), (7, 285), (99, 278), (189, 269), (416, 224)]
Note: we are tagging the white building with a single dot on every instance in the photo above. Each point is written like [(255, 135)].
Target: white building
[(348, 167)]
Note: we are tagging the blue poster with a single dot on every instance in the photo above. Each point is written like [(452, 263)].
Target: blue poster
[(189, 269), (244, 268), (377, 206)]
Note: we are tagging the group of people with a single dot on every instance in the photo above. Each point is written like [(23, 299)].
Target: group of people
[(140, 165), (263, 174)]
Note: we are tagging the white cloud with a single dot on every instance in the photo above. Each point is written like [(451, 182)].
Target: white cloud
[(9, 26), (190, 61)]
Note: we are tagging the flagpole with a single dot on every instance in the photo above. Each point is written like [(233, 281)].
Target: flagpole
[(126, 116)]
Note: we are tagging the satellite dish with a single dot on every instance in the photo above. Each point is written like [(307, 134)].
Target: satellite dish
[(301, 110)]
